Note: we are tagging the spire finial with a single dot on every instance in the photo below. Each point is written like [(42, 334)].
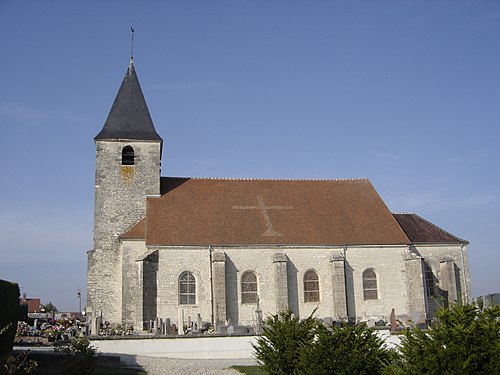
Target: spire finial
[(132, 46)]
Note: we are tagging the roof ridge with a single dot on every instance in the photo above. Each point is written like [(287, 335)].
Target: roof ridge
[(266, 179)]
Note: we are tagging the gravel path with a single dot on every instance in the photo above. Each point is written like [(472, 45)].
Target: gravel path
[(171, 366)]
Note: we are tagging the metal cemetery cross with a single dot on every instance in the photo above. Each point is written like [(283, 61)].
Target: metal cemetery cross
[(270, 232)]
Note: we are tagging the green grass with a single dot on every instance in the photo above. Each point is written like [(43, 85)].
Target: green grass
[(250, 370)]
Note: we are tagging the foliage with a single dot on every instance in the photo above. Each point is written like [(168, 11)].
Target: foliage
[(283, 336), (22, 312), (18, 364), (344, 350), (50, 308), (5, 329), (463, 341), (9, 295), (81, 356), (249, 370)]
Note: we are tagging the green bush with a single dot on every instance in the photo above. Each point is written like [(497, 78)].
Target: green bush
[(344, 350), (463, 341), (9, 295), (278, 348), (289, 345), (81, 356)]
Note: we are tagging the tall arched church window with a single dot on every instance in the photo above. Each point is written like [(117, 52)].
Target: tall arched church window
[(311, 286), (128, 156), (370, 284), (249, 288), (187, 288)]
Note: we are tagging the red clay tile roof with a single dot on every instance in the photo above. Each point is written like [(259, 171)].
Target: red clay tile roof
[(137, 231), (295, 212), (420, 230)]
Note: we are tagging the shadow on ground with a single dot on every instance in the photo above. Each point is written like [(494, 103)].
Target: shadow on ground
[(50, 363)]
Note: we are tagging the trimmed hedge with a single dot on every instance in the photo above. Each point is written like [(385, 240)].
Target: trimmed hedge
[(9, 297)]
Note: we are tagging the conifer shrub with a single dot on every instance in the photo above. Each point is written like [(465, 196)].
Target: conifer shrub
[(283, 336), (464, 340), (9, 295), (344, 350)]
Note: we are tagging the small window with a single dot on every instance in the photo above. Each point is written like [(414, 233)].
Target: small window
[(311, 286), (249, 288), (430, 281), (128, 156), (187, 289), (370, 284)]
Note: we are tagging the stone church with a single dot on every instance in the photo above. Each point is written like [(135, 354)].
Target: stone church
[(221, 250)]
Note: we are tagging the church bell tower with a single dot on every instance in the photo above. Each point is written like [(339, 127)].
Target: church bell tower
[(128, 155)]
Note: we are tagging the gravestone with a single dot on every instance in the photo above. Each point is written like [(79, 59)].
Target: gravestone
[(161, 327), (168, 328), (180, 328), (393, 321), (200, 322)]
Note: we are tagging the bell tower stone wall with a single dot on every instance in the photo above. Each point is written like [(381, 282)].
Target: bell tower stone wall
[(120, 202)]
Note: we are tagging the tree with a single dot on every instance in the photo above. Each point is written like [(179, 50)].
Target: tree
[(344, 350), (50, 308), (463, 341), (283, 336)]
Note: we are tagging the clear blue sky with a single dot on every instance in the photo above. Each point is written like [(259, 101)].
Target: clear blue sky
[(406, 93)]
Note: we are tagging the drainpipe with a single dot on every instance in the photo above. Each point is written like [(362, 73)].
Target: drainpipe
[(345, 283), (211, 286), (465, 274)]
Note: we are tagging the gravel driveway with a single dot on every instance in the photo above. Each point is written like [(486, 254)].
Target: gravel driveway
[(171, 366)]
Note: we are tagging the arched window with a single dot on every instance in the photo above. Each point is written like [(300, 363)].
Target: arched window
[(249, 287), (369, 284), (128, 156), (187, 289), (311, 286)]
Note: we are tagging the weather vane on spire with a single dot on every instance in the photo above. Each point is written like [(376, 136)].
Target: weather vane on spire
[(132, 48)]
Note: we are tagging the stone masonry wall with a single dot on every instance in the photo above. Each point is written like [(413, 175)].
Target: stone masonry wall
[(120, 193), (133, 253), (434, 254), (388, 263), (399, 271)]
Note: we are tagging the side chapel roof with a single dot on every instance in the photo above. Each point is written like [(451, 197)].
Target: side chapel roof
[(420, 230), (196, 211), (129, 116)]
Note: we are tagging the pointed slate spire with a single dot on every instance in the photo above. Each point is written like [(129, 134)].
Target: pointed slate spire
[(129, 116)]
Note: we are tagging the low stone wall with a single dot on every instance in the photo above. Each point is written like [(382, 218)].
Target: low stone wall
[(206, 347)]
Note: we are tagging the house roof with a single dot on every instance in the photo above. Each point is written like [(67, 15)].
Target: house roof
[(195, 211), (34, 304), (129, 116), (420, 230)]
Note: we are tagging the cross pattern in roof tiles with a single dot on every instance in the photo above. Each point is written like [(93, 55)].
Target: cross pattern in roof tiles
[(270, 231)]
